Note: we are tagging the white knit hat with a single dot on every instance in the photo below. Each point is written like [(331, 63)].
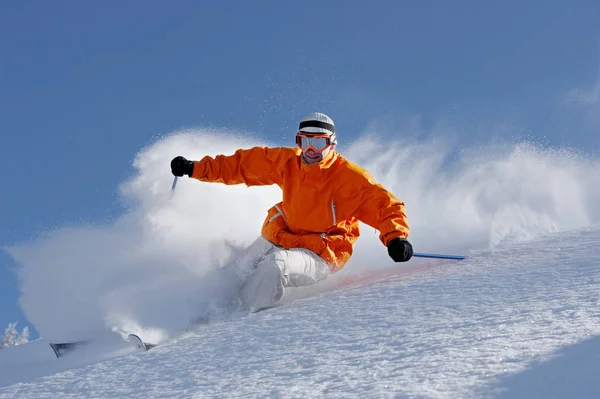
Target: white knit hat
[(318, 123)]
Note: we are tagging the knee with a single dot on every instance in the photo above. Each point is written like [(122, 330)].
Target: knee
[(277, 258)]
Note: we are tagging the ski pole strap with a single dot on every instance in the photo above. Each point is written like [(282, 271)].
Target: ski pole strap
[(438, 256)]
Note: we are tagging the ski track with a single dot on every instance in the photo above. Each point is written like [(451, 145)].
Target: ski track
[(475, 328)]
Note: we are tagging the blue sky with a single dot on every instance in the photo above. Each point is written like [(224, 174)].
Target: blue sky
[(84, 86)]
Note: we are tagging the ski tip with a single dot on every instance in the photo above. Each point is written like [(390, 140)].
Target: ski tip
[(62, 348), (137, 341)]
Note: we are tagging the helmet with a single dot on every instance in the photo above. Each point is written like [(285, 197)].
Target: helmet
[(318, 123)]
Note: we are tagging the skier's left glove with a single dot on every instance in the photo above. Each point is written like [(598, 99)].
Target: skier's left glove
[(399, 249), (181, 166)]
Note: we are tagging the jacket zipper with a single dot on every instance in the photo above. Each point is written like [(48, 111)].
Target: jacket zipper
[(333, 212)]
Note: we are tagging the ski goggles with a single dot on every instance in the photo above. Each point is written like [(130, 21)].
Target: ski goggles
[(316, 142)]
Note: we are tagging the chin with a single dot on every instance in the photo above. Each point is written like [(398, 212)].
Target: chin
[(311, 160), (317, 157)]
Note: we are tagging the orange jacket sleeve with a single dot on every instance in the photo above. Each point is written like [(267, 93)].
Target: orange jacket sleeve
[(381, 210), (258, 166)]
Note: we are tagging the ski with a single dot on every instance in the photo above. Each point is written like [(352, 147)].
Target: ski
[(276, 305), (62, 348), (137, 341)]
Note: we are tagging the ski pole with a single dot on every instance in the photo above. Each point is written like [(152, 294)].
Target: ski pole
[(437, 256), (174, 184)]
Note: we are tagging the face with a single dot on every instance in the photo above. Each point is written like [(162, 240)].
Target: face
[(314, 147)]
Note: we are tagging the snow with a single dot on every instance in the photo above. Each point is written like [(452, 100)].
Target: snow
[(12, 336), (520, 318)]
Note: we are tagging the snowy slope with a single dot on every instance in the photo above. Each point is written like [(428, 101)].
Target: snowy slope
[(519, 318), (521, 322)]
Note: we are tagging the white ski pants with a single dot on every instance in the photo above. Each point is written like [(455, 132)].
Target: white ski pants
[(266, 269)]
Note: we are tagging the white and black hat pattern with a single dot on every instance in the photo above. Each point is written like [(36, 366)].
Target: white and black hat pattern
[(318, 123)]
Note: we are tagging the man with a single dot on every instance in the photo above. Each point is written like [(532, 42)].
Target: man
[(311, 232)]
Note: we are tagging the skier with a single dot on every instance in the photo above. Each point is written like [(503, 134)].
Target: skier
[(309, 234)]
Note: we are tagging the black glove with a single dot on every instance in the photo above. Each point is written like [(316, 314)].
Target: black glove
[(181, 166), (399, 249)]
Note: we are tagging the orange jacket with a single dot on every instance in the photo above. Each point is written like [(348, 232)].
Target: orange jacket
[(322, 203)]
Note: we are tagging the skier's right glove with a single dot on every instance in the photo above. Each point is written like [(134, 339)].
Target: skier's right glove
[(399, 249), (181, 166)]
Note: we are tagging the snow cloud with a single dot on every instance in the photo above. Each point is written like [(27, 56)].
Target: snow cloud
[(152, 268)]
